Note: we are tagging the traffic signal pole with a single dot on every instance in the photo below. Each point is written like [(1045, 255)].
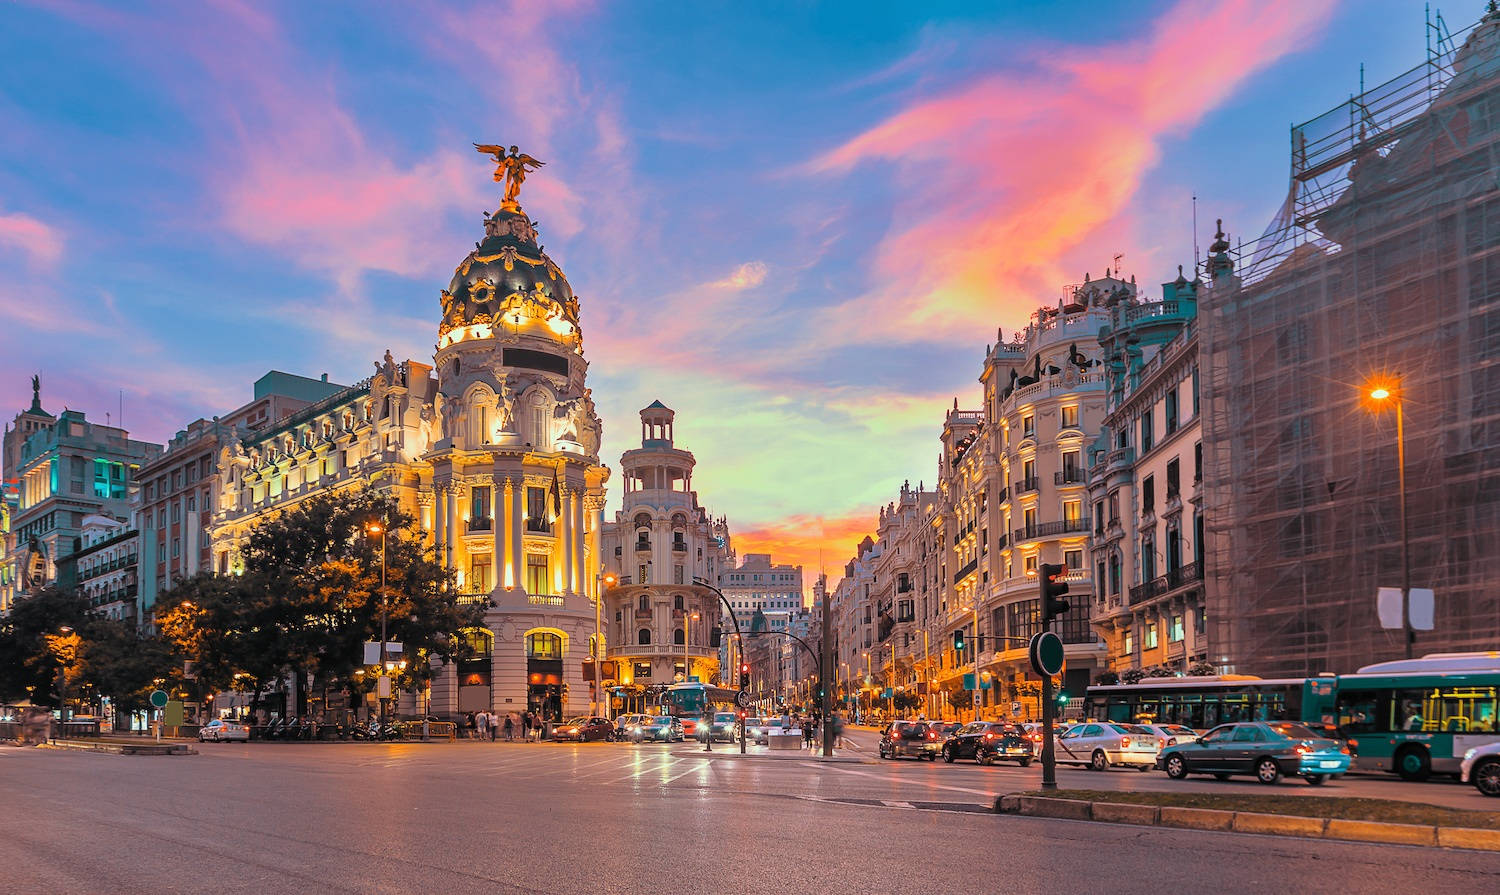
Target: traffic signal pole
[(1052, 606)]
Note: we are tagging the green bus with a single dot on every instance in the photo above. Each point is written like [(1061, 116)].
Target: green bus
[(1196, 702), (1415, 717)]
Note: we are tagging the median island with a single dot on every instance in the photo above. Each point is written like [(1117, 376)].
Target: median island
[(1387, 811)]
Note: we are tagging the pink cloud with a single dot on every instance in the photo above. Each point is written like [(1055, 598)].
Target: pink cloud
[(40, 243), (810, 541), (1004, 178)]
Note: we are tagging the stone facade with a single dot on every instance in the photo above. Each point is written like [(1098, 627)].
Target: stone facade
[(493, 448)]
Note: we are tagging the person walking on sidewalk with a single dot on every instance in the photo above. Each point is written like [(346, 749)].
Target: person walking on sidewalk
[(510, 728), (482, 724)]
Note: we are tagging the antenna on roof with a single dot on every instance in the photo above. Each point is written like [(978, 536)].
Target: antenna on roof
[(1196, 260)]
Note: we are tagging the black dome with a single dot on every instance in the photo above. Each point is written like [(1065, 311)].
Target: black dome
[(508, 270)]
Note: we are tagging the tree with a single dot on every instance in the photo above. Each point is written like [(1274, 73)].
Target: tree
[(1107, 679), (906, 701), (1202, 669), (961, 699), (124, 665), (1131, 676), (35, 644), (311, 595)]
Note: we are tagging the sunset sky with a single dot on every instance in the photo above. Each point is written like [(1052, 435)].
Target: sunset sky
[(798, 225)]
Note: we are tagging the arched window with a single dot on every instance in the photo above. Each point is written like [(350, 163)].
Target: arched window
[(643, 636), (543, 645), (677, 636), (677, 602), (478, 642)]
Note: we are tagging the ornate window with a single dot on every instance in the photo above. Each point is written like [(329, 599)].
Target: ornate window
[(544, 645), (643, 637)]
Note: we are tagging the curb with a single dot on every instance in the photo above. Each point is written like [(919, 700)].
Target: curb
[(123, 748), (1249, 822)]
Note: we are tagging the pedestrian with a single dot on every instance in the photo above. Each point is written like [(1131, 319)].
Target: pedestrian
[(469, 725), (510, 728), (482, 724), (494, 726), (838, 731), (807, 731), (526, 726)]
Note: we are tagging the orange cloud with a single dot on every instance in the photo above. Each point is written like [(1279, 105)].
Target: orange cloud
[(810, 541), (1002, 178)]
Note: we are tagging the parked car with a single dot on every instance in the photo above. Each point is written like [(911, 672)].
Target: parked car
[(1171, 734), (585, 729), (1101, 745), (757, 730), (662, 728), (1267, 749), (987, 742), (912, 738), (221, 730), (1481, 767)]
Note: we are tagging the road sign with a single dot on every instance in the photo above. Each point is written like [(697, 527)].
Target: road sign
[(159, 698), (742, 699), (1046, 653)]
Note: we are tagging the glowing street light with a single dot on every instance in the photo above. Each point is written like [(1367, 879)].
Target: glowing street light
[(1383, 393)]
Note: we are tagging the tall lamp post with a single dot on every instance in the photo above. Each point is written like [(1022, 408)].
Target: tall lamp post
[(1380, 395), (375, 528), (739, 636)]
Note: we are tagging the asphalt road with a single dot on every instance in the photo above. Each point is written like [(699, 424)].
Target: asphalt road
[(601, 818)]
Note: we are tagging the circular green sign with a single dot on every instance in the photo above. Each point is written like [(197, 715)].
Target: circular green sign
[(1046, 654), (159, 698)]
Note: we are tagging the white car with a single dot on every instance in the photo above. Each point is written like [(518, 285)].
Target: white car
[(1171, 734), (1099, 745), (1481, 767), (221, 730)]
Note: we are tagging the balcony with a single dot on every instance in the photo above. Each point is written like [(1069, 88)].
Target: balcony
[(679, 547), (1119, 459), (642, 545), (538, 526), (1049, 529), (1073, 476), (1175, 578), (1028, 484), (474, 599), (482, 523), (967, 570), (1003, 496)]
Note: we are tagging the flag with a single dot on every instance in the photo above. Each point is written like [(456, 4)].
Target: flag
[(554, 499)]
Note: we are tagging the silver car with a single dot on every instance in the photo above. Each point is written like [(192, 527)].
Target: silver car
[(1481, 767), (222, 730), (1099, 746), (1171, 734)]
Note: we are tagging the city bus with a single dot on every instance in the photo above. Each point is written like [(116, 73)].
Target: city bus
[(1197, 702), (689, 701), (1415, 717)]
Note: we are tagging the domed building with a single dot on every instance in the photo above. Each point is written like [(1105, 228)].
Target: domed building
[(494, 448)]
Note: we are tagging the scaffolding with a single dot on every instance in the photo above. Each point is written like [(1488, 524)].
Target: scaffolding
[(1384, 259)]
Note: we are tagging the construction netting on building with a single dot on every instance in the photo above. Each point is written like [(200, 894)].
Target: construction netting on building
[(1384, 262)]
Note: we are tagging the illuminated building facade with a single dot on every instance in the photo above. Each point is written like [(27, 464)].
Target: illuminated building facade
[(492, 447), (658, 625)]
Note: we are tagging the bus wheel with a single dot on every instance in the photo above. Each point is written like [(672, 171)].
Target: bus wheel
[(1413, 763)]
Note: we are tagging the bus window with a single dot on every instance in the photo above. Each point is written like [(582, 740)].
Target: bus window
[(1358, 711), (1463, 709), (1407, 708)]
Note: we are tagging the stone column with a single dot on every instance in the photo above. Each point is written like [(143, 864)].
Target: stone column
[(440, 523), (505, 495), (580, 571), (497, 533), (517, 552), (450, 508), (566, 537)]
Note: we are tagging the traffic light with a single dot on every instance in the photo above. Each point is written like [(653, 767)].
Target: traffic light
[(744, 675), (958, 640), (1052, 589)]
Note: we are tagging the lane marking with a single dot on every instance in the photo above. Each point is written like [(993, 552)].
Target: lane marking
[(702, 764), (894, 804), (890, 779)]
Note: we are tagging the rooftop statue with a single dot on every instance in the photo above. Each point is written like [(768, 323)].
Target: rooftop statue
[(511, 170)]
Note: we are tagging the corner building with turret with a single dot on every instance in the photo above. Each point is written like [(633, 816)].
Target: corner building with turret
[(493, 447)]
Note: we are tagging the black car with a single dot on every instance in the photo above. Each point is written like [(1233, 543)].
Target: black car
[(988, 742), (909, 738)]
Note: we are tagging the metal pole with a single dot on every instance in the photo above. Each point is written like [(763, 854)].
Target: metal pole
[(976, 657), (1049, 708), (926, 673), (384, 600), (1411, 636), (824, 696)]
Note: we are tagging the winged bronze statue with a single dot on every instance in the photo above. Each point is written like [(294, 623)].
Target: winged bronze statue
[(510, 169)]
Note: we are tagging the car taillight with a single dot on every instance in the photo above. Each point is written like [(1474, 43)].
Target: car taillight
[(931, 735), (1344, 749), (989, 736), (1353, 744), (1124, 742), (1302, 749)]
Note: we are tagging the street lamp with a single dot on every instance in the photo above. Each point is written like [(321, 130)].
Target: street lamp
[(373, 529), (1383, 393)]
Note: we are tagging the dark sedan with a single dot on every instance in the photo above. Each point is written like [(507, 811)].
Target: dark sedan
[(1267, 749), (988, 742), (909, 738), (585, 729)]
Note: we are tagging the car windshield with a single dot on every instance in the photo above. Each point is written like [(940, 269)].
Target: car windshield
[(1178, 730), (1296, 731), (576, 722), (724, 717), (663, 720)]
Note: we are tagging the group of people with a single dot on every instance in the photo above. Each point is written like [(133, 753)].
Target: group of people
[(486, 725)]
